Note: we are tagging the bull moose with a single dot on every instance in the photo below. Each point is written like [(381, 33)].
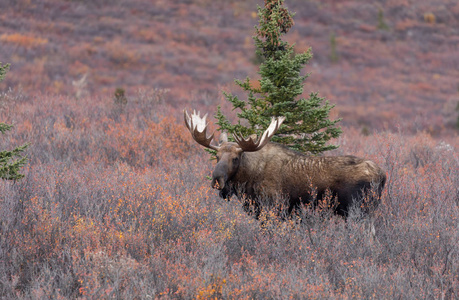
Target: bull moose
[(253, 168)]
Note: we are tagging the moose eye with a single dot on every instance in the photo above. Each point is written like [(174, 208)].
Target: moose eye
[(235, 160)]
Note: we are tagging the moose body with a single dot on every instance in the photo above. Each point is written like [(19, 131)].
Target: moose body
[(253, 170), (276, 172)]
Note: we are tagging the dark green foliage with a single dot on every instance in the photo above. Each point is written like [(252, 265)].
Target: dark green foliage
[(307, 127), (381, 23), (333, 53), (120, 97), (3, 70), (10, 161)]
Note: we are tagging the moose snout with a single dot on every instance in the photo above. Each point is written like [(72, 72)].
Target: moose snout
[(217, 183), (218, 178)]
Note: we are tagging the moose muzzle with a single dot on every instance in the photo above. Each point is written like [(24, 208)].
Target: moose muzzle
[(219, 177)]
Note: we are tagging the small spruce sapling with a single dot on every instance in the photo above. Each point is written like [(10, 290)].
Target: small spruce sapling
[(307, 127), (10, 161)]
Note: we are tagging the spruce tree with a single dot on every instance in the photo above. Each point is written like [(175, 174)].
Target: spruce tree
[(3, 70), (307, 127), (10, 161)]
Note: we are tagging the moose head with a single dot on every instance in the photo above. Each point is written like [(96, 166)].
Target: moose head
[(228, 153)]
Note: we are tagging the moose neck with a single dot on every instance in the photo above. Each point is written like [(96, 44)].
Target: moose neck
[(252, 165)]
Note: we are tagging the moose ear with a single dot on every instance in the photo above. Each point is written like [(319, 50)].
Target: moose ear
[(223, 138)]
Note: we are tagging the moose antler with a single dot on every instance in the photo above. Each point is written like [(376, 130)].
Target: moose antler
[(198, 129), (249, 145)]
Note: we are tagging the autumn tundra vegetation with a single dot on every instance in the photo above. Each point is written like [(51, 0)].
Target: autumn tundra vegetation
[(127, 212), (115, 201)]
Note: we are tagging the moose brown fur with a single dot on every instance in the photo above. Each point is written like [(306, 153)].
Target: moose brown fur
[(253, 170)]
